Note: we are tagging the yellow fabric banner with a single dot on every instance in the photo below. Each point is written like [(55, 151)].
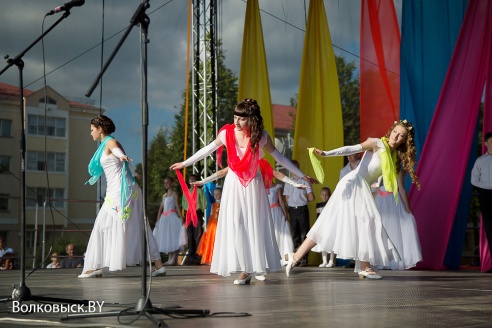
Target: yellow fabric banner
[(319, 110), (253, 75)]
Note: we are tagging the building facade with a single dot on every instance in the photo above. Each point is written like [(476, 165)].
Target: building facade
[(58, 148)]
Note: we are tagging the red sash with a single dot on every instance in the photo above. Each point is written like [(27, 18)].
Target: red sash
[(191, 198), (246, 167)]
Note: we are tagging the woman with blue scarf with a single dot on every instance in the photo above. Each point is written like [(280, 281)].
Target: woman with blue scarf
[(350, 224), (115, 240)]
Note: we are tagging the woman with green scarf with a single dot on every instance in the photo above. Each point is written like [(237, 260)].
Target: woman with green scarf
[(115, 240), (350, 224)]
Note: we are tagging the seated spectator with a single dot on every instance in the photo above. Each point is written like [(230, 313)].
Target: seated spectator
[(3, 247), (71, 261), (55, 261), (8, 261)]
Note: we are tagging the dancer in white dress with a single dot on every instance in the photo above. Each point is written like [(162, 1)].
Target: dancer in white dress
[(115, 241), (169, 230), (245, 239), (399, 223), (350, 224)]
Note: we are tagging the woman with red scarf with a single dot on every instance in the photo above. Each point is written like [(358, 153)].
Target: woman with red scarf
[(245, 238)]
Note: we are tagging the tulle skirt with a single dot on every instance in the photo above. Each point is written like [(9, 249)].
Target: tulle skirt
[(170, 233), (282, 232), (245, 238), (350, 225)]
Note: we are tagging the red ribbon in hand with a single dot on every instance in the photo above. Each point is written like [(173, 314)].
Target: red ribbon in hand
[(191, 198)]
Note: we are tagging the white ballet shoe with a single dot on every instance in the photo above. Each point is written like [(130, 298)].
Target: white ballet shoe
[(260, 277), (159, 272), (323, 265), (94, 274), (330, 264), (291, 263), (245, 281), (369, 274)]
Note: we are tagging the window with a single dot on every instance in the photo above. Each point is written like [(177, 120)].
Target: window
[(4, 202), (55, 126), (36, 161), (39, 195), (50, 100), (5, 128), (4, 164)]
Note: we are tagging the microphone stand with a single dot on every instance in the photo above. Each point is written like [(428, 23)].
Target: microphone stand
[(143, 305), (21, 292)]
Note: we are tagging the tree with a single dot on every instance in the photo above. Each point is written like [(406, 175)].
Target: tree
[(159, 160)]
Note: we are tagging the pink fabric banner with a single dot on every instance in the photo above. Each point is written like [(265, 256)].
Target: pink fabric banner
[(485, 256), (444, 157), (379, 68)]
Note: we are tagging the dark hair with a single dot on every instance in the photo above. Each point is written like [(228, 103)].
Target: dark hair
[(169, 178), (488, 135), (328, 190), (296, 163), (105, 123), (250, 108)]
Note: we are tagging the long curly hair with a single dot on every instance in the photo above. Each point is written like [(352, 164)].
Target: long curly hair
[(406, 153), (105, 123), (250, 108)]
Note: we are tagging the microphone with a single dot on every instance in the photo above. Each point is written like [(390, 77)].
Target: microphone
[(66, 7)]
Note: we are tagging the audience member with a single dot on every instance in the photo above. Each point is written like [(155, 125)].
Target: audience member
[(3, 247), (71, 261), (55, 261), (8, 261)]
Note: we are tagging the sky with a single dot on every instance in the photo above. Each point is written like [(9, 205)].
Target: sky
[(72, 52)]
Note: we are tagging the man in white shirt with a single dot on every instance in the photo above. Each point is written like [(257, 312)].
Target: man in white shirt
[(297, 200), (481, 177)]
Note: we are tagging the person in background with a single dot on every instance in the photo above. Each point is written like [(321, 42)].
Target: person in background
[(297, 200), (481, 178), (55, 261), (72, 261), (169, 230), (325, 195), (3, 247), (194, 233)]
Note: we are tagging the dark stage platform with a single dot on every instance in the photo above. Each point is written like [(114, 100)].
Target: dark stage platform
[(311, 297)]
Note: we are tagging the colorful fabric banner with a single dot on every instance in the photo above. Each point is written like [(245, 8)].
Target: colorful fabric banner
[(429, 31), (319, 110), (379, 68), (253, 76), (446, 151)]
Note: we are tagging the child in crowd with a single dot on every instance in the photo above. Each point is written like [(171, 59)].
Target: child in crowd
[(169, 230), (206, 245), (325, 196), (55, 261)]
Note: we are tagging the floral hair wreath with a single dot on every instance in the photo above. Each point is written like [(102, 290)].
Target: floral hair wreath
[(406, 123)]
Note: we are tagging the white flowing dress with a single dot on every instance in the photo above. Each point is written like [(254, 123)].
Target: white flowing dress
[(115, 243), (245, 238), (169, 231), (350, 224), (401, 228), (281, 225)]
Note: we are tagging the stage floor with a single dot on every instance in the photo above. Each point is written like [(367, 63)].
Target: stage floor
[(311, 297)]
